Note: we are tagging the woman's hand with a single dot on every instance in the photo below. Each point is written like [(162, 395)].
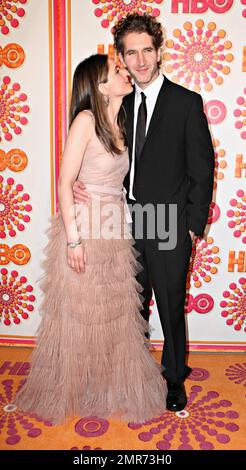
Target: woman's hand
[(79, 192), (76, 258)]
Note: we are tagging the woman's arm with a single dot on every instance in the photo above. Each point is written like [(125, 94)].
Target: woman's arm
[(79, 134), (79, 192)]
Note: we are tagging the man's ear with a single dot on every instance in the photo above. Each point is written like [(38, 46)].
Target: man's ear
[(158, 55)]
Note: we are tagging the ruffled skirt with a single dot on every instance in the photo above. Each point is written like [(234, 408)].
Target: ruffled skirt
[(92, 357)]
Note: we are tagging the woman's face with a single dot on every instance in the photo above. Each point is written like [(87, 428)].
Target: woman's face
[(119, 81)]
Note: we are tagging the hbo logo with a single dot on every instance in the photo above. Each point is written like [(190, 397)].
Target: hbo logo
[(201, 6)]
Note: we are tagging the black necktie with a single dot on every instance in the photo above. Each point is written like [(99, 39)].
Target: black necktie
[(140, 131)]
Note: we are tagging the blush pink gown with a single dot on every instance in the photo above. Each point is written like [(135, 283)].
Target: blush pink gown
[(92, 357)]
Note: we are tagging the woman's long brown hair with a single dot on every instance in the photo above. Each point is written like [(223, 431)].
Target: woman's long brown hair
[(85, 95)]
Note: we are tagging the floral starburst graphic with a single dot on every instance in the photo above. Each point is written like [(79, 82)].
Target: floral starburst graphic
[(199, 57), (14, 208), (206, 421), (12, 109), (243, 2), (13, 423), (240, 114), (204, 258), (237, 215), (16, 298), (115, 10), (234, 305), (10, 13), (220, 162), (237, 373)]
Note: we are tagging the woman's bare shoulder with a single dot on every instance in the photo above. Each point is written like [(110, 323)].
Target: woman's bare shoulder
[(88, 112), (86, 116), (84, 122)]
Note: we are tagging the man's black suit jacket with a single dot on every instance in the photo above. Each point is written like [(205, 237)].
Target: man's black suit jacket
[(177, 160)]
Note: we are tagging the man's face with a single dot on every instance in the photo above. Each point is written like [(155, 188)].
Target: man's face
[(141, 58)]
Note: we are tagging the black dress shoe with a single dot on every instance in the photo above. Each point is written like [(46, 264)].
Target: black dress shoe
[(176, 396)]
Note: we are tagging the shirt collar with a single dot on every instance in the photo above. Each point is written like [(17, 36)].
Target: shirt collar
[(151, 90)]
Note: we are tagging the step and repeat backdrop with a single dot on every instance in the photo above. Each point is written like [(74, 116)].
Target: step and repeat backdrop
[(204, 50)]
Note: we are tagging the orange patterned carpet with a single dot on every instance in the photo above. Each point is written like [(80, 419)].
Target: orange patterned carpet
[(215, 416)]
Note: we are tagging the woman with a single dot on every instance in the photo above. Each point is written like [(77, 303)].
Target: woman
[(92, 355)]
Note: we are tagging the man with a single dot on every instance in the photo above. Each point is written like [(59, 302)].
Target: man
[(171, 162)]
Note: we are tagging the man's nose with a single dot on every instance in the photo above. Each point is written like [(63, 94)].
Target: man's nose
[(141, 59)]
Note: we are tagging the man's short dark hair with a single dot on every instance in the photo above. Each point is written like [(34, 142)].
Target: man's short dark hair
[(135, 23)]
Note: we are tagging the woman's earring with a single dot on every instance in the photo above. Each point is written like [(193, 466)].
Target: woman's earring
[(107, 100)]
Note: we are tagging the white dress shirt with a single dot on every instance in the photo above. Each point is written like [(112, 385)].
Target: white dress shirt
[(151, 92)]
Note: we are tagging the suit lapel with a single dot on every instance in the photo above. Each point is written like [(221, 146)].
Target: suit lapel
[(158, 114), (160, 107)]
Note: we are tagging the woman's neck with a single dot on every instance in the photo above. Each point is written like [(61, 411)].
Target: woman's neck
[(113, 111)]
